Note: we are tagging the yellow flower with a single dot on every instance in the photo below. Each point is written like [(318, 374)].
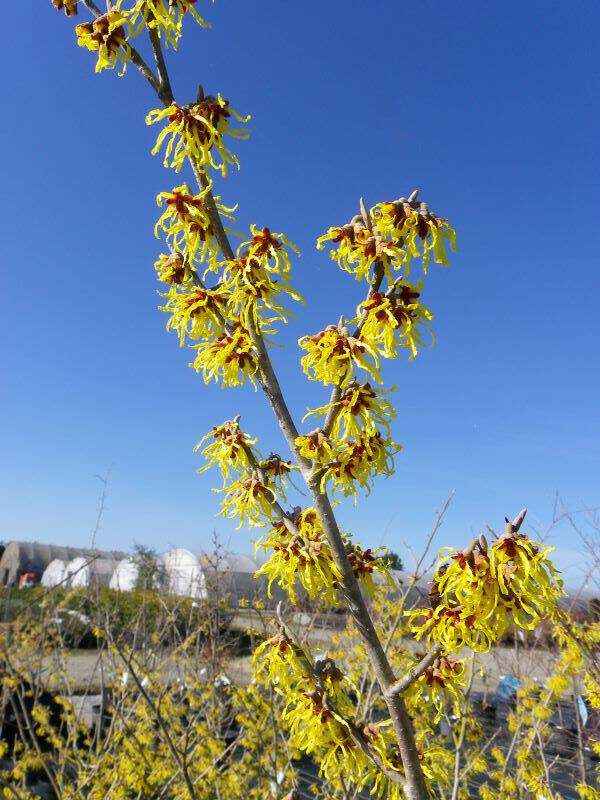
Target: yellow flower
[(196, 313), (315, 446), (313, 710), (303, 556), (359, 248), (332, 356), (365, 563), (587, 792), (277, 471), (441, 681), (358, 461), (196, 131), (314, 724), (271, 249), (360, 406), (300, 554), (166, 16), (453, 628), (280, 663), (397, 233), (414, 229), (253, 289), (229, 358), (107, 36), (526, 577), (593, 691), (174, 269), (186, 222), (69, 6), (249, 500), (394, 320), (231, 449)]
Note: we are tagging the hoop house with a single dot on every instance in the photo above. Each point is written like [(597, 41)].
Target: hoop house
[(55, 573), (91, 571), (185, 573), (19, 558), (204, 575), (125, 576)]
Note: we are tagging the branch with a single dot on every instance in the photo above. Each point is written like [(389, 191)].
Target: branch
[(165, 92), (413, 674)]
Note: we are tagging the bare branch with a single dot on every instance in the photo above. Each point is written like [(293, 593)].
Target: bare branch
[(413, 674)]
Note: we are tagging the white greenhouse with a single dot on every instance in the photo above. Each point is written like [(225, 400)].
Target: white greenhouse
[(91, 571), (55, 573), (203, 575), (125, 576)]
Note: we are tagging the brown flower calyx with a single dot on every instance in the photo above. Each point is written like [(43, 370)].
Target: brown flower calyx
[(176, 269), (100, 32)]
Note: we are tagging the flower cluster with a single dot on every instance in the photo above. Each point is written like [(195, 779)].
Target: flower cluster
[(107, 36), (247, 286), (255, 482), (315, 446), (358, 461), (333, 355), (229, 448), (258, 278), (164, 16), (479, 593), (186, 224), (278, 471), (414, 229), (196, 132), (440, 683), (174, 269), (318, 713), (394, 319), (248, 499), (301, 556), (349, 462), (359, 248), (360, 406), (196, 313), (391, 237), (229, 358), (271, 249), (375, 245)]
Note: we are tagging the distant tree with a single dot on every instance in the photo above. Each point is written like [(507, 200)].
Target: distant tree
[(151, 573), (394, 561)]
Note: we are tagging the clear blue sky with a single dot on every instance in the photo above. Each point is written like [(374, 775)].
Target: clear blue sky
[(490, 109)]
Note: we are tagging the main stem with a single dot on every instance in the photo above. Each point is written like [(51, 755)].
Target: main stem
[(415, 781)]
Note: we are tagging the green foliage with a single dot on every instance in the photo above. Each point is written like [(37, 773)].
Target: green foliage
[(135, 617), (394, 561), (152, 575)]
